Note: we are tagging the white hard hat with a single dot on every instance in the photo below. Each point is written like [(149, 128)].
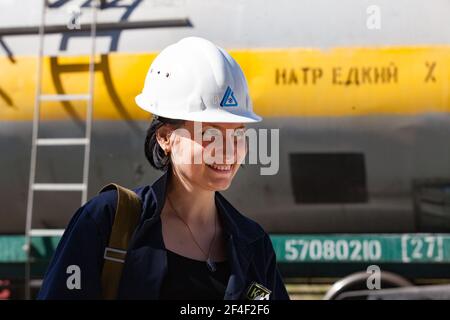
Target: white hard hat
[(194, 79)]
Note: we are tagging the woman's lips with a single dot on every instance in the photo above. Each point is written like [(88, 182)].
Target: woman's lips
[(221, 168)]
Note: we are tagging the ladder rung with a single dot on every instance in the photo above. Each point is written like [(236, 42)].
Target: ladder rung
[(62, 141), (46, 232), (59, 186), (64, 97), (37, 283)]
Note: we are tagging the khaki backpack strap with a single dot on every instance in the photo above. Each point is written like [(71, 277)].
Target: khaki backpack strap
[(127, 216)]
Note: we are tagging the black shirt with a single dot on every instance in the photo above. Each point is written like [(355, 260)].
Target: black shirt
[(189, 279)]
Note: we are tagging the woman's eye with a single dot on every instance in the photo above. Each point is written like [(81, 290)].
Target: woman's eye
[(215, 133), (239, 133)]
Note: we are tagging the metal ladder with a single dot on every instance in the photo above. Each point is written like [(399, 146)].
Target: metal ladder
[(36, 142)]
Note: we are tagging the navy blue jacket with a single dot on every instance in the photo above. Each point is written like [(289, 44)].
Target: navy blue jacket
[(249, 250)]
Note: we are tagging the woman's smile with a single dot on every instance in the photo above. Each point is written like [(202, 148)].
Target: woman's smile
[(222, 168)]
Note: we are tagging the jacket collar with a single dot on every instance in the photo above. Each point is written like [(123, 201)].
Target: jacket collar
[(234, 223)]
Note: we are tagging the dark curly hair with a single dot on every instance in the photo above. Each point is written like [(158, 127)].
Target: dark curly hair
[(153, 151)]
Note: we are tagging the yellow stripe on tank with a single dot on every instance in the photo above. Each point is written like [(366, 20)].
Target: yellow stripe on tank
[(282, 82)]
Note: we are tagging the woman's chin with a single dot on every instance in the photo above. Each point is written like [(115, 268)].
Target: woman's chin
[(220, 177)]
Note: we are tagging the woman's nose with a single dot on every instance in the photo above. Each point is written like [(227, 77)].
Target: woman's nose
[(230, 150)]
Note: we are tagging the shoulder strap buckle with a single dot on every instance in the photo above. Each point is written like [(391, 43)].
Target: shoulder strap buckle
[(115, 255)]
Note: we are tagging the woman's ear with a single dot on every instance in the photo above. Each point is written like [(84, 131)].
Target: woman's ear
[(163, 137)]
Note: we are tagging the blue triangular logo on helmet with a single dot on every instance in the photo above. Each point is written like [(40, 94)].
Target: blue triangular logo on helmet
[(228, 99)]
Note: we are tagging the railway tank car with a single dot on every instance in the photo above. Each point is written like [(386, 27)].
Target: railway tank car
[(362, 113)]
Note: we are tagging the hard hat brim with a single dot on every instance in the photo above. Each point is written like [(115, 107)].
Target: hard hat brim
[(229, 115)]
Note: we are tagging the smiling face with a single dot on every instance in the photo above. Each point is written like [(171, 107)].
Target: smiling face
[(206, 154)]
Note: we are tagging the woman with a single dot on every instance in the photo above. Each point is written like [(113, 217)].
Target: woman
[(190, 242)]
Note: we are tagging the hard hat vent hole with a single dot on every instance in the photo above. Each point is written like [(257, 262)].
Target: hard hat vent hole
[(167, 75), (151, 70), (159, 72)]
